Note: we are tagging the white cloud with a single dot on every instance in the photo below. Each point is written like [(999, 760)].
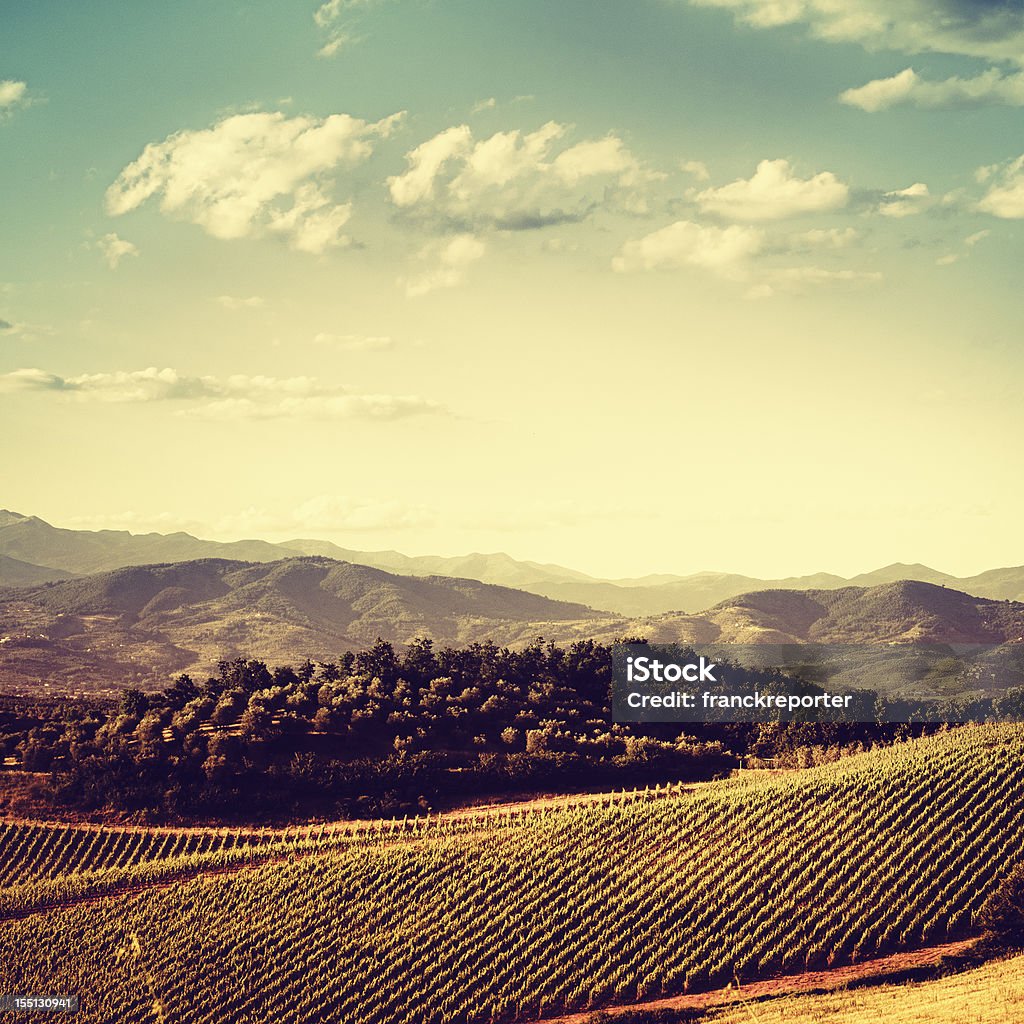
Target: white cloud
[(425, 163), (12, 94), (115, 249), (335, 19), (252, 175), (234, 302), (992, 29), (336, 42), (450, 261), (488, 104), (697, 168), (238, 396), (513, 180), (329, 13), (597, 158), (970, 242), (737, 253), (796, 280), (1005, 195), (990, 87), (774, 192), (905, 202), (684, 243), (882, 92), (355, 342)]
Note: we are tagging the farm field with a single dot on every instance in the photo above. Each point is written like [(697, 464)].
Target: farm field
[(520, 917)]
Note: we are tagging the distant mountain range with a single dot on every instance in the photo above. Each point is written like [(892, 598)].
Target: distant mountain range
[(140, 625), (32, 551)]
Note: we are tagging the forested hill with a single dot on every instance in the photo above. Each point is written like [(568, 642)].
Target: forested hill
[(138, 625), (899, 612)]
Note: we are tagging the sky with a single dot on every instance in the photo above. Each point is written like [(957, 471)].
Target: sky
[(627, 285)]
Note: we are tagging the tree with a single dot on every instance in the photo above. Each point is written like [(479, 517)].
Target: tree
[(1003, 912), (134, 703)]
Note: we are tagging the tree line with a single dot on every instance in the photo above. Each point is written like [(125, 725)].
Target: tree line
[(381, 732)]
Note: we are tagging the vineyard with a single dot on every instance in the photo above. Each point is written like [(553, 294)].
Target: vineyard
[(492, 918)]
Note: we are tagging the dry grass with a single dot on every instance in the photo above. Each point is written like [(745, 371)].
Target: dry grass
[(992, 994)]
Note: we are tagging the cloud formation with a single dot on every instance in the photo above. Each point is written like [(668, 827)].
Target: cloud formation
[(252, 175), (737, 253), (514, 181), (905, 202), (697, 168), (991, 29), (335, 19), (12, 95), (774, 192), (115, 249), (450, 259), (1005, 195), (796, 280), (990, 87), (239, 396), (724, 251)]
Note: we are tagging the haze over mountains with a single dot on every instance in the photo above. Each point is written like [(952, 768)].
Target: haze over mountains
[(141, 625), (41, 552), (99, 610)]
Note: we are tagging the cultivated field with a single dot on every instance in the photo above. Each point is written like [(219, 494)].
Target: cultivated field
[(519, 916)]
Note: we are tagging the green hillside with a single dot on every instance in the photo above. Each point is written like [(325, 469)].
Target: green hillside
[(531, 915)]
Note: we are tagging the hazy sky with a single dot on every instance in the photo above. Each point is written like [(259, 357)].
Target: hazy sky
[(629, 285)]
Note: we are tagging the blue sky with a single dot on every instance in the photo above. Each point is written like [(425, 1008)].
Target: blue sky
[(448, 276)]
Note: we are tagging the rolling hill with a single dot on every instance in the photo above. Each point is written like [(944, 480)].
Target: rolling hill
[(705, 589), (901, 612), (42, 548), (524, 913), (139, 624), (16, 573)]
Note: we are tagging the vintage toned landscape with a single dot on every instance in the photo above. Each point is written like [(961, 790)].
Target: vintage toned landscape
[(369, 830), (381, 382)]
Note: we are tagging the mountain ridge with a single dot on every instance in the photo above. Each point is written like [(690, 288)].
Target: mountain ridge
[(43, 549), (140, 625)]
